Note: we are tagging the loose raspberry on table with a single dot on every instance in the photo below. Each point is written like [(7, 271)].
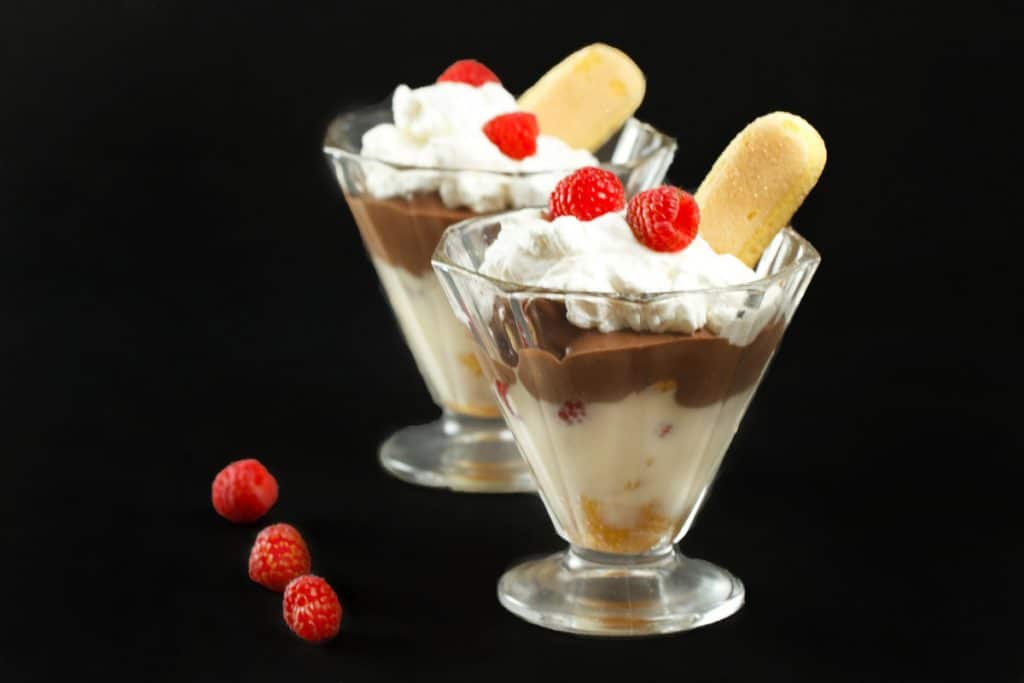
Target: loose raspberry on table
[(572, 412), (515, 134), (278, 556), (244, 491), (312, 609), (586, 194), (468, 71), (664, 218)]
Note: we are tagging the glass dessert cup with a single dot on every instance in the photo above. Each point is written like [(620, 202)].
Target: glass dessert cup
[(401, 212), (623, 431)]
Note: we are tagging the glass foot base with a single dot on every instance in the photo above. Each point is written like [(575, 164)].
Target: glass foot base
[(595, 594), (460, 453)]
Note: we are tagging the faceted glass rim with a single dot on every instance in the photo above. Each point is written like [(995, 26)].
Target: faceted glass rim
[(337, 146), (809, 257)]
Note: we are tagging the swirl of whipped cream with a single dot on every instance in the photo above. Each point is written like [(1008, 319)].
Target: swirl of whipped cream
[(440, 126), (603, 256)]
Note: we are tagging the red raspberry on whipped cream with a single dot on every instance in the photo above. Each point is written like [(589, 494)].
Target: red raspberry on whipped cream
[(586, 194), (468, 71), (664, 219), (515, 134)]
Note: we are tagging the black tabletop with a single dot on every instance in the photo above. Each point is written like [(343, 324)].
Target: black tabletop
[(182, 286)]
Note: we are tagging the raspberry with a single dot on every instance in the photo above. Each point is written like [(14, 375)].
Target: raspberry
[(502, 389), (514, 134), (468, 71), (572, 412), (312, 609), (244, 491), (664, 219), (278, 556), (586, 194)]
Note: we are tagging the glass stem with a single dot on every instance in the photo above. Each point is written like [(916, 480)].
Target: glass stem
[(578, 557), (450, 422)]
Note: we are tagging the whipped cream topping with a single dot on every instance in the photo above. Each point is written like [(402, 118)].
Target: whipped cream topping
[(603, 256), (440, 126)]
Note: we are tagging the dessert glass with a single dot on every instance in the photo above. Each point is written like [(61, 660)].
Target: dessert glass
[(468, 448), (623, 431)]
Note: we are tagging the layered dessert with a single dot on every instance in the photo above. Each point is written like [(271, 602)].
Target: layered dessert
[(462, 147), (625, 367)]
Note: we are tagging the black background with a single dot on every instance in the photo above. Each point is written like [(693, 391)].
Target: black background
[(182, 285)]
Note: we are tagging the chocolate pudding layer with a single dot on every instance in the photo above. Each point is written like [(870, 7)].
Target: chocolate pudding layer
[(401, 233), (404, 231), (566, 363)]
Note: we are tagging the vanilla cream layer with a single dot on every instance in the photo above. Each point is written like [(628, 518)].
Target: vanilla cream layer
[(441, 345), (626, 476)]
